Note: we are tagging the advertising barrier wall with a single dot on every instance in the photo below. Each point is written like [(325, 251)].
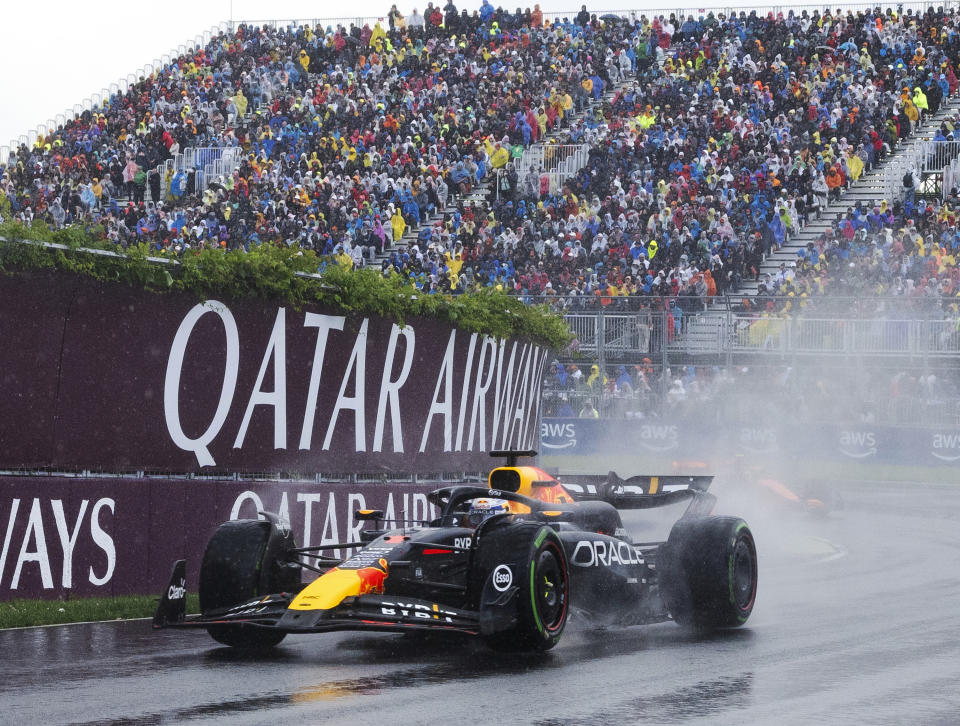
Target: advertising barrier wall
[(659, 442), (106, 377), (69, 536)]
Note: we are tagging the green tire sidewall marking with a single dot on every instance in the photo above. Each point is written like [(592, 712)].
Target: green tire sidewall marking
[(733, 599), (533, 597), (538, 540)]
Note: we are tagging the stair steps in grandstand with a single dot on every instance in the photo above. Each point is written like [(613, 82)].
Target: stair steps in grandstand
[(702, 333), (870, 189)]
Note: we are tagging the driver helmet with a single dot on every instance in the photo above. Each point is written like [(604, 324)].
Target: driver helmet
[(483, 509)]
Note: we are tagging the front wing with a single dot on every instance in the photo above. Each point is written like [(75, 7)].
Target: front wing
[(364, 612)]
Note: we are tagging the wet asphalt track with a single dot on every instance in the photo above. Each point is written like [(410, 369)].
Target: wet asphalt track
[(857, 622)]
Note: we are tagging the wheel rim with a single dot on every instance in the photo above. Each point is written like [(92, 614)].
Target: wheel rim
[(744, 574), (550, 590)]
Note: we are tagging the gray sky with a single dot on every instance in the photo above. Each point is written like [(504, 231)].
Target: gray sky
[(54, 58)]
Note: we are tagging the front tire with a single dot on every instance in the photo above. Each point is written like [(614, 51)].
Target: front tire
[(708, 572), (244, 560), (538, 593)]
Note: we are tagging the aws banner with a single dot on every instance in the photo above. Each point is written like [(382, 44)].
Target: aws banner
[(666, 440), (86, 537), (111, 378)]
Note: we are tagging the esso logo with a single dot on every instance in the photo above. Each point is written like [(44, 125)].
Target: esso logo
[(502, 578)]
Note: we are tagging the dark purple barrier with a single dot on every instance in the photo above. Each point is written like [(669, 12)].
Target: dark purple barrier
[(107, 377), (64, 536), (32, 317)]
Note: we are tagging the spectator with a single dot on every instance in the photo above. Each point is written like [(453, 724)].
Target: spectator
[(588, 411)]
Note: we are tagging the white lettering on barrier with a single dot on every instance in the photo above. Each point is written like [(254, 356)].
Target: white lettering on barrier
[(415, 505), (331, 532), (68, 540), (171, 387), (442, 408), (390, 390), (38, 554), (502, 392), (390, 512), (355, 502), (465, 390), (308, 499), (512, 421), (479, 412), (252, 496), (14, 507), (357, 402), (34, 547), (946, 446), (277, 399), (324, 324), (104, 541)]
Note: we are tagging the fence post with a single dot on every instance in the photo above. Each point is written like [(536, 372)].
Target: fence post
[(726, 328), (602, 356), (664, 356)]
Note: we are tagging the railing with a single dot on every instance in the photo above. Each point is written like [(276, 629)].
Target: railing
[(866, 327), (218, 168), (552, 156), (926, 157), (556, 162), (209, 163), (951, 177), (106, 95)]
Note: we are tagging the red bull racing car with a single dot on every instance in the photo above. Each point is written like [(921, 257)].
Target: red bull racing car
[(508, 562)]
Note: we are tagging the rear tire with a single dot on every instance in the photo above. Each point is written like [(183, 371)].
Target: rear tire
[(708, 572), (243, 561), (538, 570)]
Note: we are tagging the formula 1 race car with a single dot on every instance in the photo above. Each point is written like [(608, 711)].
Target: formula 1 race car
[(507, 562)]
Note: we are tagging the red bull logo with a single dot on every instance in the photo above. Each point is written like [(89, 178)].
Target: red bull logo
[(371, 578), (329, 590)]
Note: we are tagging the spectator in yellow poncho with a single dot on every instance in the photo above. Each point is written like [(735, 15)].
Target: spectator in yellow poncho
[(378, 35), (854, 165), (920, 99), (240, 101), (398, 224), (343, 259), (499, 155), (455, 263), (647, 118)]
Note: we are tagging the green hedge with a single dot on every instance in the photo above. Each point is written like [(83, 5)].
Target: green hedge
[(270, 272)]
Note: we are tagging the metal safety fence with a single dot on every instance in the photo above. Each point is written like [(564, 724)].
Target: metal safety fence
[(924, 158), (209, 164), (919, 329), (806, 336)]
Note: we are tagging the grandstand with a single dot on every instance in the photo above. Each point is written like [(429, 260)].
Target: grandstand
[(684, 185)]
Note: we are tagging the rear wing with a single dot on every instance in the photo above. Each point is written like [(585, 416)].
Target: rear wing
[(637, 492)]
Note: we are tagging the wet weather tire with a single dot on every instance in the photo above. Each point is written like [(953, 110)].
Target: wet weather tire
[(708, 572), (236, 568), (536, 599)]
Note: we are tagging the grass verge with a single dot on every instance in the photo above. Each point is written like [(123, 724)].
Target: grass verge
[(26, 613)]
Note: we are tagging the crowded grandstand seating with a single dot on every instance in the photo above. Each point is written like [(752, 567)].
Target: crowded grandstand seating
[(723, 137)]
